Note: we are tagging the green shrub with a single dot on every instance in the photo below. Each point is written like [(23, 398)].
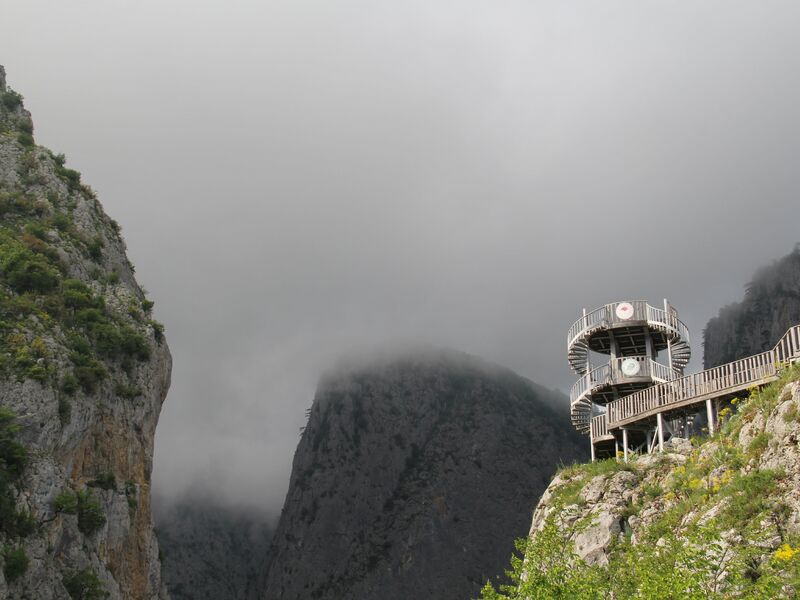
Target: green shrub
[(129, 392), (95, 248), (89, 373), (69, 176), (15, 563), (90, 514), (158, 331), (11, 99), (130, 494), (25, 138), (61, 222), (13, 455), (104, 481), (110, 278), (25, 523), (26, 271), (65, 408), (69, 384), (759, 443), (77, 295), (66, 502), (84, 585)]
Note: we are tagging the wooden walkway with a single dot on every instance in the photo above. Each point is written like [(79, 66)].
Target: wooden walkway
[(642, 407)]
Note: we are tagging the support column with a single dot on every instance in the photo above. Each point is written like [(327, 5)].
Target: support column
[(710, 413), (660, 422), (616, 449), (625, 444), (649, 442), (669, 343), (591, 440)]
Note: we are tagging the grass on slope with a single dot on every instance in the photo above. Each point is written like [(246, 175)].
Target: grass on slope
[(713, 526)]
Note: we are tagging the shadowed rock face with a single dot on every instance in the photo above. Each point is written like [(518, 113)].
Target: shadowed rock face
[(84, 369), (211, 551), (413, 477), (771, 305)]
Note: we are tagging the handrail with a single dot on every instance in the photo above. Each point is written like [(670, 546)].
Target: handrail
[(599, 425), (642, 311), (611, 372), (711, 382)]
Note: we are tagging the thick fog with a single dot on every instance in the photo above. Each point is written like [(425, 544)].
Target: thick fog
[(297, 180)]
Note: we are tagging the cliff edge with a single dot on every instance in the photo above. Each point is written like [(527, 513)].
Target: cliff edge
[(712, 518), (83, 373)]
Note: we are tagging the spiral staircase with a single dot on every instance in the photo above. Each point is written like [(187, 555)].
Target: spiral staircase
[(645, 345)]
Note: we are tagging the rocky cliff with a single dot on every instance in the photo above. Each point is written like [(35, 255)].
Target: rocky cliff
[(412, 478), (83, 373), (771, 305), (712, 518), (211, 551)]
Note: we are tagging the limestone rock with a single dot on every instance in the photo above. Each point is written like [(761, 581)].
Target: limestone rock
[(413, 477), (95, 438)]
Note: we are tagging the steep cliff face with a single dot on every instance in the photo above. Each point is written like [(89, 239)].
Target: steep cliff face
[(771, 305), (412, 477), (83, 373), (718, 518), (211, 551)]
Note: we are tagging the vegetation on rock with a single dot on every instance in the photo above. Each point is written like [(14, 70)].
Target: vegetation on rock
[(719, 520), (84, 367), (770, 306)]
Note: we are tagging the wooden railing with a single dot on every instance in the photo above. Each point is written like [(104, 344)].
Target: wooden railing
[(611, 373), (711, 383), (599, 427), (642, 311)]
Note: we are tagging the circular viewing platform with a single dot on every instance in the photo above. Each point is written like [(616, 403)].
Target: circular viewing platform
[(608, 382), (631, 324)]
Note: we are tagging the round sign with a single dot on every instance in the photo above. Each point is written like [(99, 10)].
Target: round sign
[(630, 367), (624, 310)]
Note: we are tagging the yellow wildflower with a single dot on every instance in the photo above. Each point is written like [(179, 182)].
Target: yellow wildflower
[(786, 552)]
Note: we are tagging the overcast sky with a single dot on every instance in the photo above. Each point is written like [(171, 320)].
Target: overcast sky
[(296, 179)]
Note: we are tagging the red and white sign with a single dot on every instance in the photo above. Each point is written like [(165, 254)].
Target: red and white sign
[(624, 310)]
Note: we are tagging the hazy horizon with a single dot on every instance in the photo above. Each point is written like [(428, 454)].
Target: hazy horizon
[(296, 180)]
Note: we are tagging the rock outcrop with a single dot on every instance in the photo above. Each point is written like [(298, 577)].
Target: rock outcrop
[(771, 305), (717, 518), (412, 478), (211, 551), (83, 374)]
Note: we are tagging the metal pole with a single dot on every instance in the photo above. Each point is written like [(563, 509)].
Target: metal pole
[(710, 412), (625, 444), (669, 343), (660, 422), (591, 438)]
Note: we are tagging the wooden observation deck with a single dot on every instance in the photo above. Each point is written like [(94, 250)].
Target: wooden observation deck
[(634, 400)]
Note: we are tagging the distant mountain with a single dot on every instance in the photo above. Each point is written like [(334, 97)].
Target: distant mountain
[(771, 305), (412, 478), (210, 551)]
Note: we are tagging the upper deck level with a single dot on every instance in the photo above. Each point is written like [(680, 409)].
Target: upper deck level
[(630, 324)]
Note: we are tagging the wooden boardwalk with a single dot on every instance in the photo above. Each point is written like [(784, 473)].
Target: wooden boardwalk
[(675, 395)]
